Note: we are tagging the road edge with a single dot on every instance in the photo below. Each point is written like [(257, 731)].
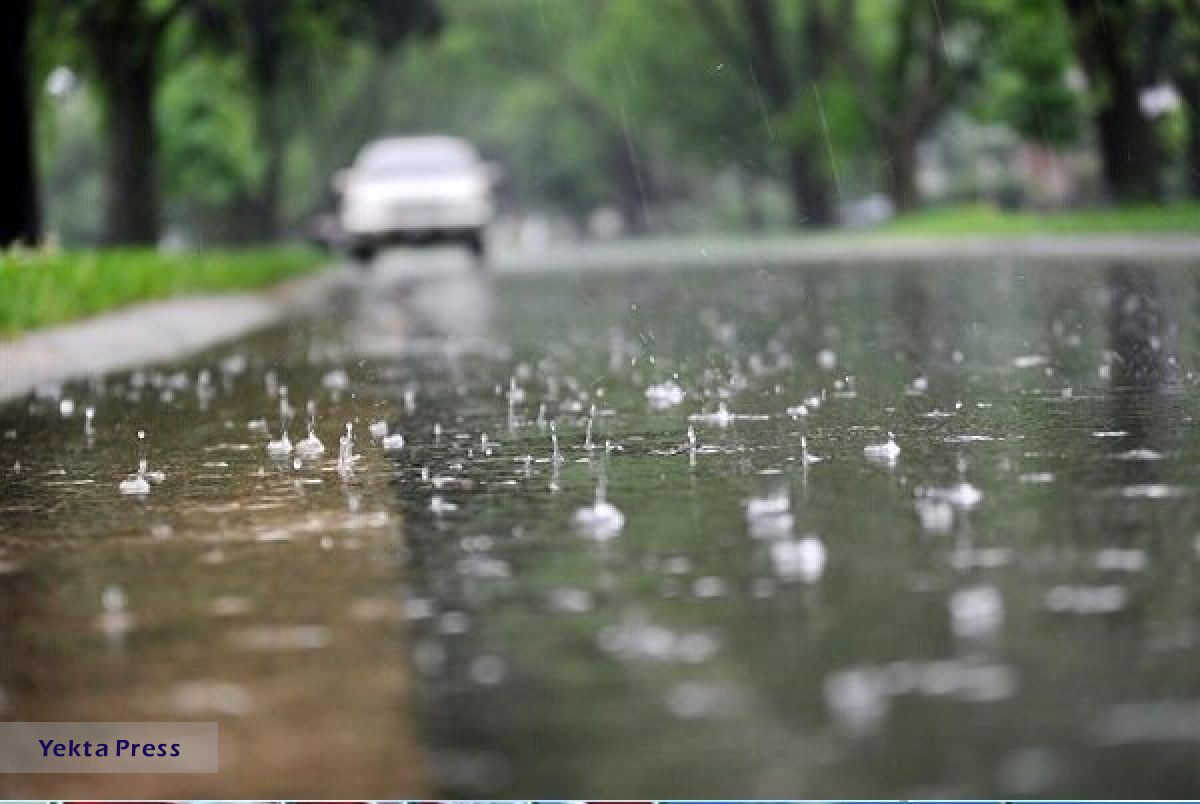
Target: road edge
[(149, 332)]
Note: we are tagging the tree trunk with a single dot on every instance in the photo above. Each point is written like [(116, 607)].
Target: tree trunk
[(756, 220), (811, 197), (19, 219), (1190, 90), (128, 84), (265, 33), (630, 183), (124, 40), (902, 172), (267, 202), (1129, 150)]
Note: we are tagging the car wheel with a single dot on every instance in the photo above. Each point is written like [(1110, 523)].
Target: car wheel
[(476, 246), (362, 254)]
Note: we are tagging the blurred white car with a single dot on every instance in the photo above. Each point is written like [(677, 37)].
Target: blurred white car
[(415, 190)]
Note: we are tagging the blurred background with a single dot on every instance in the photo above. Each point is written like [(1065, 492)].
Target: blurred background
[(197, 122)]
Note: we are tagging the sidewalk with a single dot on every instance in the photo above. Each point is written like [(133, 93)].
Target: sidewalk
[(145, 333)]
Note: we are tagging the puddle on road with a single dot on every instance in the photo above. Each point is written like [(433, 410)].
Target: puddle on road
[(725, 580)]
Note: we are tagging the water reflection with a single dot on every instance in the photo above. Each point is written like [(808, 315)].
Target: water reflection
[(1142, 334)]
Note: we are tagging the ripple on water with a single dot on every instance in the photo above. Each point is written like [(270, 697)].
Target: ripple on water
[(210, 697), (798, 560), (1104, 599), (1161, 721), (976, 611), (280, 638), (859, 698), (695, 700), (639, 640), (1147, 491)]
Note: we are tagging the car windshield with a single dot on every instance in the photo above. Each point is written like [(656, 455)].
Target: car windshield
[(415, 159)]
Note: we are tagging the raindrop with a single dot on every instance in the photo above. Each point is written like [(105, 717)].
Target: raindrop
[(885, 453), (976, 611), (806, 457), (556, 456), (587, 441), (665, 395), (601, 520), (139, 483), (346, 456), (310, 446), (799, 560), (488, 670)]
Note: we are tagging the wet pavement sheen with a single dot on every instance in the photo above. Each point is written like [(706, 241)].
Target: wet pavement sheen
[(771, 606)]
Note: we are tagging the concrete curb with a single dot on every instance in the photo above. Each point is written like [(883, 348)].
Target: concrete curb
[(868, 250), (149, 332)]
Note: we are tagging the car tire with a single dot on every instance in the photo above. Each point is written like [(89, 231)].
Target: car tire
[(476, 247), (362, 254)]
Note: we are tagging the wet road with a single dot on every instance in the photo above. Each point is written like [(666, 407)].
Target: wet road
[(777, 604)]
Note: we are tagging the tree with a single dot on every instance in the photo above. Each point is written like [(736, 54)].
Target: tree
[(276, 38), (1184, 59), (911, 65), (754, 34), (1027, 73), (122, 40), (533, 82), (19, 218), (124, 43), (1106, 37)]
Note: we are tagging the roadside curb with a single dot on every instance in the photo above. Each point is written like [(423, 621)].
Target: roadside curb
[(867, 250), (148, 332)]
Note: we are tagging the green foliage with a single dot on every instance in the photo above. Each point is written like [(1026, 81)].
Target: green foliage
[(566, 94), (1027, 78), (38, 289), (209, 153), (982, 219)]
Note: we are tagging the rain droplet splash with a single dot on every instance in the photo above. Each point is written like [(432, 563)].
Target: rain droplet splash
[(601, 520), (886, 453), (346, 456), (310, 447)]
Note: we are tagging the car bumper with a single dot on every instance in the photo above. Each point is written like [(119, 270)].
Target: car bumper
[(398, 221)]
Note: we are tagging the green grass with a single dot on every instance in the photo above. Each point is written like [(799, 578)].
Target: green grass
[(980, 219), (39, 289)]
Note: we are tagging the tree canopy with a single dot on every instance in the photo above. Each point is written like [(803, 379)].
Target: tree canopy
[(222, 120)]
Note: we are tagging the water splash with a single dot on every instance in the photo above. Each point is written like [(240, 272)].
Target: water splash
[(282, 446), (89, 429), (799, 559), (310, 446), (976, 611), (770, 516), (664, 395), (601, 520), (556, 456), (346, 456), (115, 620), (886, 453), (807, 458), (139, 483), (587, 440)]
